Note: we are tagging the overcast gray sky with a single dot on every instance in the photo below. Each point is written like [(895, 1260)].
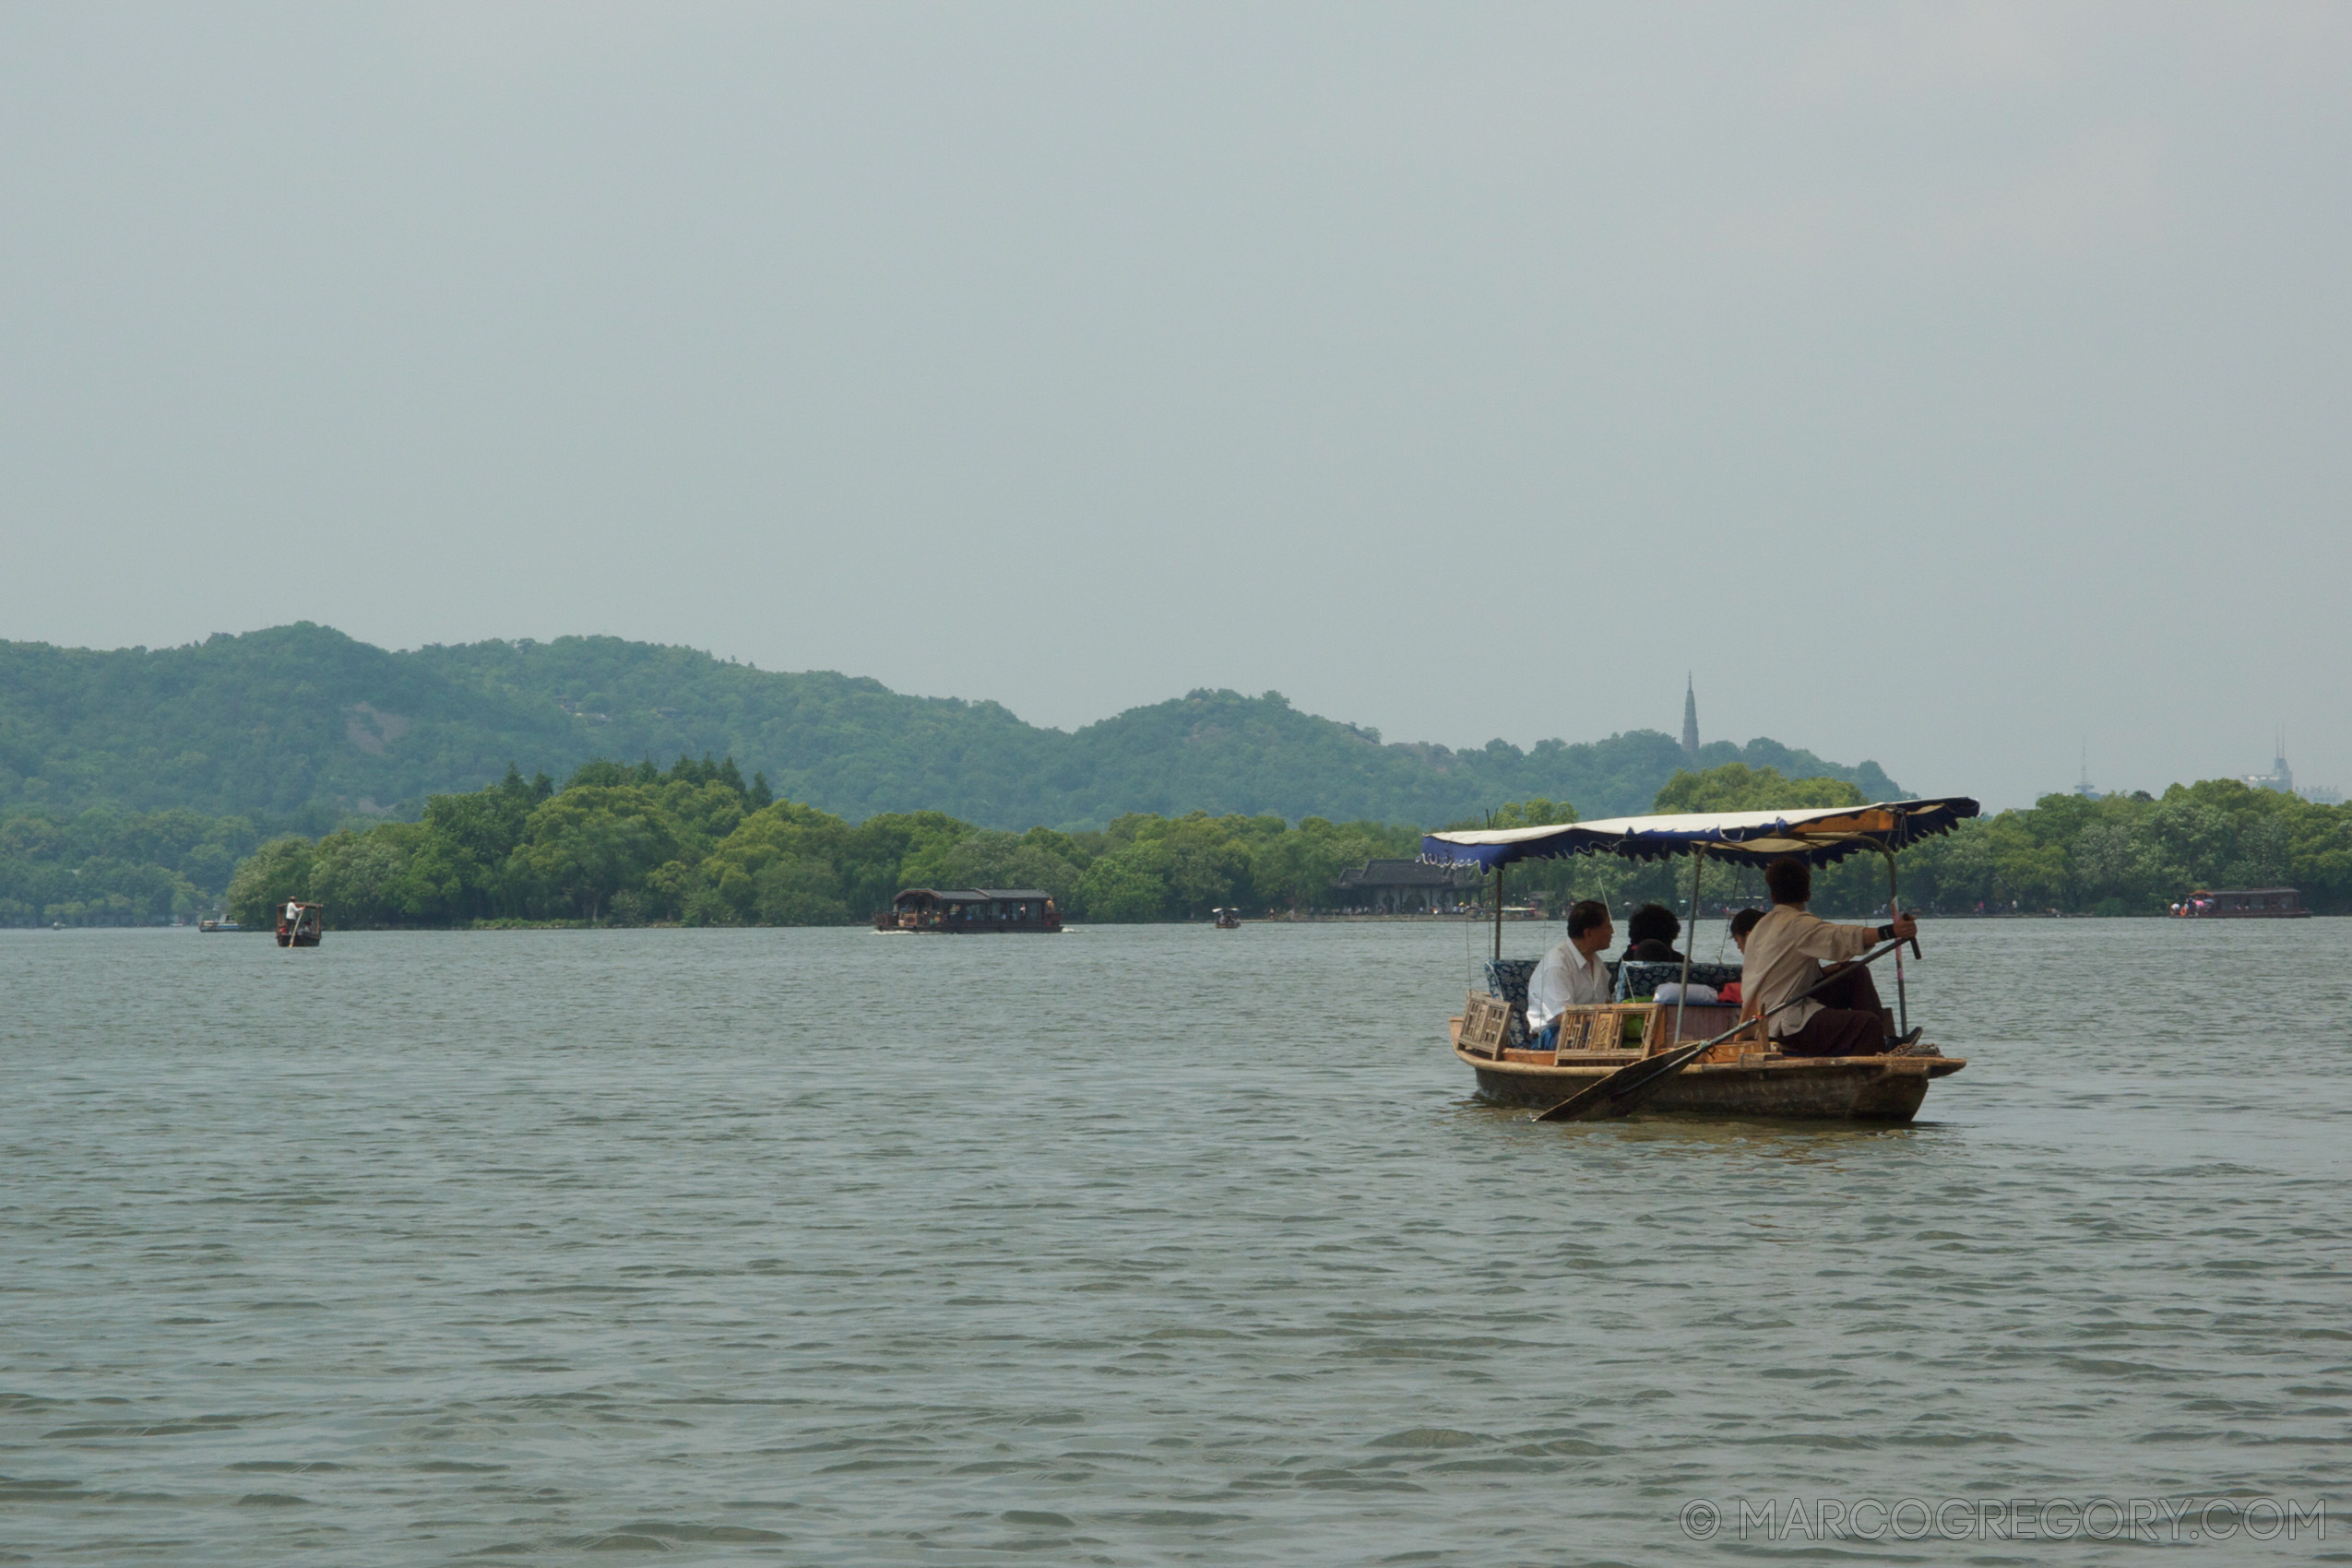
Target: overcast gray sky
[(1949, 385)]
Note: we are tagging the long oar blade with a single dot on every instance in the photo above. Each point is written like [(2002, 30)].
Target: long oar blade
[(1621, 1092)]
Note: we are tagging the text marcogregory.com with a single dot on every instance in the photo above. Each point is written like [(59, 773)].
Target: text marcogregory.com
[(2164, 1519)]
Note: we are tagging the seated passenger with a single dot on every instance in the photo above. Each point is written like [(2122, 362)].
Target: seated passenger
[(1572, 974), (1783, 951), (1742, 924), (1650, 935)]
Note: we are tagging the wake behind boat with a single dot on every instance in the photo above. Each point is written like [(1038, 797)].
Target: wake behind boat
[(1740, 1071)]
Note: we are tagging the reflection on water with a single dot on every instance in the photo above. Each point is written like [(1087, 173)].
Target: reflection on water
[(1126, 1246)]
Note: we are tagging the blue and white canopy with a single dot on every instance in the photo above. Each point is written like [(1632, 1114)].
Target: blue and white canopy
[(1821, 835)]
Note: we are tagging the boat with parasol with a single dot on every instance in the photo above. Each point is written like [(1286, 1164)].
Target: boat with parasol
[(1680, 1056)]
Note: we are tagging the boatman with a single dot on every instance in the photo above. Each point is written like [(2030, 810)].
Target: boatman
[(1572, 974), (1785, 952)]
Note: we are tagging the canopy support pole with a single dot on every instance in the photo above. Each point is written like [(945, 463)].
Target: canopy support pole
[(1498, 915), (1698, 861), (1894, 911)]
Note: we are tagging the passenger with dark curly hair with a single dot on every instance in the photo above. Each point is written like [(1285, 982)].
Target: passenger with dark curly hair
[(1650, 932)]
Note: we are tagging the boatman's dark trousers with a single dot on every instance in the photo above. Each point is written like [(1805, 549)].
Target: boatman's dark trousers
[(1850, 1023)]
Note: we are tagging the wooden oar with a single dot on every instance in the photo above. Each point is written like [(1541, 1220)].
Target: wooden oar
[(1621, 1092)]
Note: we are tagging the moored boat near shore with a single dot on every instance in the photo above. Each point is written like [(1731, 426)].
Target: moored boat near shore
[(1739, 1071)]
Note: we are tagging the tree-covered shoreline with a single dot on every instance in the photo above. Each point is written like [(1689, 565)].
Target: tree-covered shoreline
[(2116, 856), (108, 867), (697, 844)]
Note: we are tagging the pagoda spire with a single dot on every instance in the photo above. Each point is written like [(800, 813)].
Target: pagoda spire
[(1690, 719)]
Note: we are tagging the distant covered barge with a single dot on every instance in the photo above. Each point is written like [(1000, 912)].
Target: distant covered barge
[(2242, 904), (970, 910)]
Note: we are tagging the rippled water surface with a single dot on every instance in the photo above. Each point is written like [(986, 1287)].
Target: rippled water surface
[(1129, 1246)]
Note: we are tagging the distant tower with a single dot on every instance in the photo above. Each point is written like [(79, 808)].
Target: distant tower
[(2084, 788), (2280, 777), (1690, 719)]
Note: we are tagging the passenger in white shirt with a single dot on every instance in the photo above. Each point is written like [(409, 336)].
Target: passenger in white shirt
[(1571, 974)]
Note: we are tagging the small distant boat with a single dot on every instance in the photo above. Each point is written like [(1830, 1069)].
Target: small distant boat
[(218, 925), (1226, 919), (971, 910), (300, 924), (2242, 904)]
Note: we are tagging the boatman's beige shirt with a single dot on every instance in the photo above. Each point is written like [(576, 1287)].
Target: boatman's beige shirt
[(1781, 961), (1565, 978)]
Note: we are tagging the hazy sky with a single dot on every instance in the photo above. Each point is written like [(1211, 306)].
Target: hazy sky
[(1949, 385)]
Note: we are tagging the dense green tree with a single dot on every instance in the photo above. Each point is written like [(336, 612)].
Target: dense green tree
[(594, 841), (1736, 786), (2134, 855), (778, 861), (371, 878), (1296, 871), (105, 866), (986, 858), (886, 853), (279, 870)]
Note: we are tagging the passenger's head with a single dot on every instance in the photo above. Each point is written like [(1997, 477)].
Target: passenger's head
[(1789, 881), (1742, 924), (1588, 918), (1653, 921)]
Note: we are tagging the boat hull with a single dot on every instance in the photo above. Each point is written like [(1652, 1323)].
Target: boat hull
[(1839, 1088)]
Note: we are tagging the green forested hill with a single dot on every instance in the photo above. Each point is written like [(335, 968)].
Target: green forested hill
[(302, 725)]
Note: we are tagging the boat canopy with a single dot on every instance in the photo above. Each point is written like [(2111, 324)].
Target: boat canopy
[(974, 894), (1821, 835)]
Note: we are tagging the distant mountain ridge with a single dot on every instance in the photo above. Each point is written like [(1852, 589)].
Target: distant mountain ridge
[(302, 725)]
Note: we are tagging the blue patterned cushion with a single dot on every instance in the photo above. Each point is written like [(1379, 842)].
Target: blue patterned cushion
[(1641, 979), (1507, 977)]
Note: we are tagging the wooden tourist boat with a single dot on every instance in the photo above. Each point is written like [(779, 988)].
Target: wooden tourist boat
[(2242, 904), (1226, 919), (971, 910), (1741, 1075), (300, 924)]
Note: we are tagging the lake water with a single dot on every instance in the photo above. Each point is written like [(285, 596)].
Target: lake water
[(1134, 1246)]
